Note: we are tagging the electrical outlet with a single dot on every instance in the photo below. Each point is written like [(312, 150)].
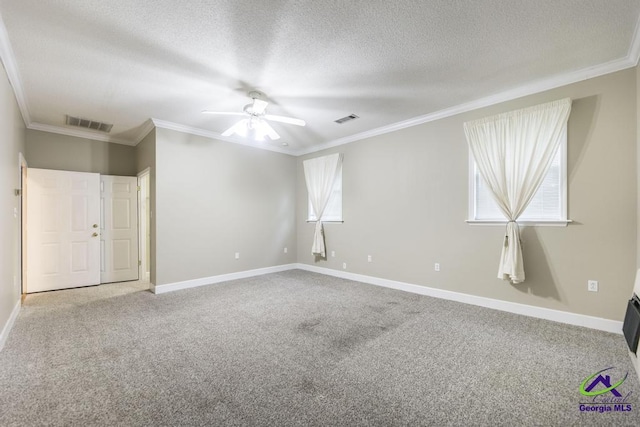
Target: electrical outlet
[(333, 254), (237, 255), (369, 259), (436, 267), (286, 250), (344, 265), (592, 285)]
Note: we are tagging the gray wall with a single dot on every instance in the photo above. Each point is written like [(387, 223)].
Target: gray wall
[(215, 198), (146, 158), (406, 195), (47, 150), (12, 127)]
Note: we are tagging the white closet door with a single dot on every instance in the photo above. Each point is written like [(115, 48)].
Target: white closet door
[(119, 234), (63, 217)]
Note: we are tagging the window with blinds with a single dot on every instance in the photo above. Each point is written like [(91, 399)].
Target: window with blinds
[(548, 204)]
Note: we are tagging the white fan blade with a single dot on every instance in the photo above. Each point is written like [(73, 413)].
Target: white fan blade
[(283, 119), (222, 113), (259, 106)]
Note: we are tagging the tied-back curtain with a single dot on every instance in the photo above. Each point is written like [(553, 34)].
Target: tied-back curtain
[(320, 175), (513, 152)]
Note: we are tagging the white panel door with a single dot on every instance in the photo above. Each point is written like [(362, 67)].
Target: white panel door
[(63, 217), (119, 236)]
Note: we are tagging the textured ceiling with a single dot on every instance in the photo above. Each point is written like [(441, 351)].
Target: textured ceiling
[(127, 61)]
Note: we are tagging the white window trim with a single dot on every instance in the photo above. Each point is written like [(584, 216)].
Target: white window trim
[(562, 222)]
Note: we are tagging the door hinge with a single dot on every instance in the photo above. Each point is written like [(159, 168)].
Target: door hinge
[(139, 262), (138, 188)]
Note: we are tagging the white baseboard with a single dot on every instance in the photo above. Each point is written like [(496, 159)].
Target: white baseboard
[(511, 307), (7, 327), (169, 287)]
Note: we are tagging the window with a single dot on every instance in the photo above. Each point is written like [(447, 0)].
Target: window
[(548, 205), (333, 211)]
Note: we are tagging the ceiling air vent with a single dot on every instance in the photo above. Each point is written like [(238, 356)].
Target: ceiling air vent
[(346, 119), (88, 124)]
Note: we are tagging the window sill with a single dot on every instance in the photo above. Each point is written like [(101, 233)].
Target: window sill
[(542, 223)]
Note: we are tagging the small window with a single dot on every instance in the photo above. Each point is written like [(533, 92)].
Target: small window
[(333, 211), (549, 204)]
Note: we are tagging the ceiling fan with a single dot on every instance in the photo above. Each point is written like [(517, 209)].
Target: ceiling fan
[(256, 123)]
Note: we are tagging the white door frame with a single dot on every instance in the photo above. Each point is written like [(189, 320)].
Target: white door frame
[(144, 225), (22, 179)]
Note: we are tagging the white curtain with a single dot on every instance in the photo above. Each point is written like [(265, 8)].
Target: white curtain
[(513, 152), (320, 175)]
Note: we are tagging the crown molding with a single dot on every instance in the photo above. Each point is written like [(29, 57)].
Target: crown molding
[(79, 133), (8, 59), (162, 124), (147, 127), (634, 47), (529, 89)]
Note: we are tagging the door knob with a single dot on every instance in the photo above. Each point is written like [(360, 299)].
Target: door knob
[(95, 225), (95, 234)]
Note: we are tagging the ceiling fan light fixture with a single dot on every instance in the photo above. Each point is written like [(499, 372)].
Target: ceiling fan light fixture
[(256, 125), (239, 128), (271, 133), (259, 129), (242, 130), (263, 129)]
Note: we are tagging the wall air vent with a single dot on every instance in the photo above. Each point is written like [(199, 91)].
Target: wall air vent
[(346, 119), (88, 124)]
